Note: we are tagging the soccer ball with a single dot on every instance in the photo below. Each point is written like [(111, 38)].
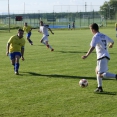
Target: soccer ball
[(83, 83)]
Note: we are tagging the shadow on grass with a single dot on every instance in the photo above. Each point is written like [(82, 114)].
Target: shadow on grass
[(59, 76), (106, 93), (77, 52), (71, 52)]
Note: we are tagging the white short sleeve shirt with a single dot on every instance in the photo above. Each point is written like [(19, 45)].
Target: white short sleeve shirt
[(100, 42), (44, 30)]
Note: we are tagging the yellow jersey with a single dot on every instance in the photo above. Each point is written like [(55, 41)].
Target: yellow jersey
[(16, 44), (27, 29), (115, 25)]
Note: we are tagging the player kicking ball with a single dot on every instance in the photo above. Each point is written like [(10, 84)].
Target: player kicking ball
[(44, 30), (100, 41)]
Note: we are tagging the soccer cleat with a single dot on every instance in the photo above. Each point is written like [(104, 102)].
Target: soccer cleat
[(31, 43), (16, 72), (52, 49), (99, 89), (116, 76)]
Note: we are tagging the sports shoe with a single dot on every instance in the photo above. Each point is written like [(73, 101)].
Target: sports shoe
[(99, 89), (52, 49), (116, 76), (31, 43), (16, 72)]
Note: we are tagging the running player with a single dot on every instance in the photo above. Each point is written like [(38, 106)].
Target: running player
[(28, 30), (44, 30), (15, 49)]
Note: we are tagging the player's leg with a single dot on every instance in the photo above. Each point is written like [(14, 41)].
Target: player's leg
[(42, 40), (28, 38), (12, 58), (99, 81), (106, 74), (17, 57), (101, 68), (49, 46)]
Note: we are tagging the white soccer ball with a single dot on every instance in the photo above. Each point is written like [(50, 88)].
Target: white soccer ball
[(83, 83)]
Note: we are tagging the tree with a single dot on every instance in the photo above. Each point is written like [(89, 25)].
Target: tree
[(109, 9)]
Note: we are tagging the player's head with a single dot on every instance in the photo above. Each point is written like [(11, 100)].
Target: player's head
[(20, 33), (25, 24), (94, 27), (41, 23)]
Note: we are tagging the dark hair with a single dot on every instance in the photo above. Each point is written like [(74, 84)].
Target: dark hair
[(94, 26), (20, 30), (41, 21)]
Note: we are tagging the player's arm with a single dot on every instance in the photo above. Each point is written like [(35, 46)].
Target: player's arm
[(50, 30), (30, 29), (7, 49), (39, 30), (88, 53), (22, 53), (24, 29)]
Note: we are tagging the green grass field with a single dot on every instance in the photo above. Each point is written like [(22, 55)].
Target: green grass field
[(48, 82)]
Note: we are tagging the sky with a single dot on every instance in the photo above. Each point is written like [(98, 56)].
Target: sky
[(47, 6)]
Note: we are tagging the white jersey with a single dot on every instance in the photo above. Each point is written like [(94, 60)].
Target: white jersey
[(100, 42), (44, 30)]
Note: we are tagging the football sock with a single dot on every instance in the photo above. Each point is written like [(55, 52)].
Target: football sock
[(50, 46), (29, 40), (99, 81), (109, 75), (16, 66)]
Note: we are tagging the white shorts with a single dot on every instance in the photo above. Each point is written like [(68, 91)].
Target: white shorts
[(45, 38), (102, 65)]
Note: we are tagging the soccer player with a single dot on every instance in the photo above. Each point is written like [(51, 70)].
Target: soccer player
[(73, 25), (69, 26), (15, 49), (28, 30), (116, 28), (100, 42), (44, 29)]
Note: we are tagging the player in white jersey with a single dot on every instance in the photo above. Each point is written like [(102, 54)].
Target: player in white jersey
[(100, 42), (44, 29), (116, 28)]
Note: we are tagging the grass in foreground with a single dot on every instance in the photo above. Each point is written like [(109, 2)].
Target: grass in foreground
[(48, 82)]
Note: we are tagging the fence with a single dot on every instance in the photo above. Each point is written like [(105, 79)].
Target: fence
[(61, 17)]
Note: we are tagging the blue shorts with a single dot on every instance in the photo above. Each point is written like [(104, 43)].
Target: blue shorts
[(116, 29), (28, 35), (13, 54)]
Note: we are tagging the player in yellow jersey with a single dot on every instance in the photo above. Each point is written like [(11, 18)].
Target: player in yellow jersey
[(15, 49), (28, 30), (116, 28)]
